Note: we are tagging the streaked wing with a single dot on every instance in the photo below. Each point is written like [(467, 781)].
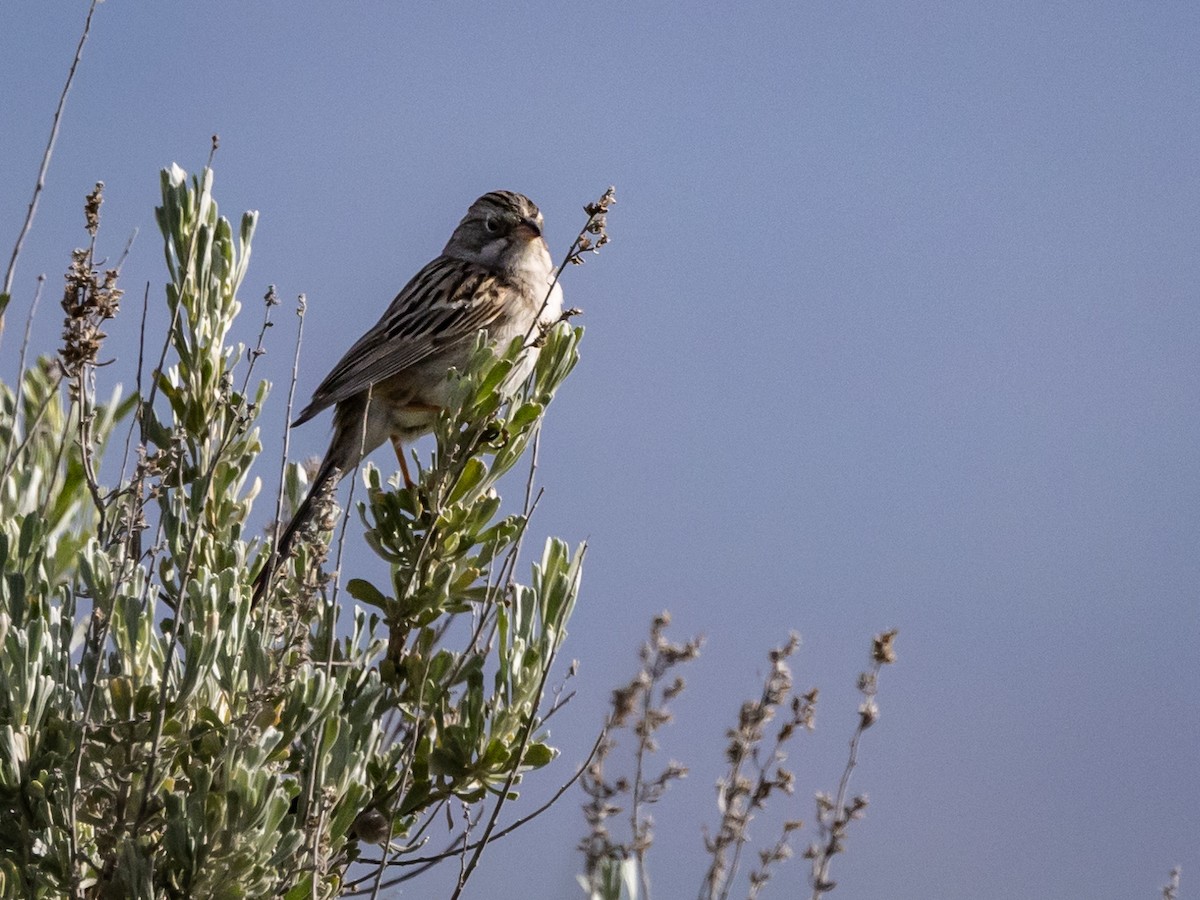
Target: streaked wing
[(446, 302)]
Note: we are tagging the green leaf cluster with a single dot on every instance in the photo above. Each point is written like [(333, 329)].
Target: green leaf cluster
[(162, 734)]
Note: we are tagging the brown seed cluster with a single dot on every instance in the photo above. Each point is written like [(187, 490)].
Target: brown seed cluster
[(597, 227), (90, 297)]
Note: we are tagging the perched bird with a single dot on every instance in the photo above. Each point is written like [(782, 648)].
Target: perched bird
[(495, 273)]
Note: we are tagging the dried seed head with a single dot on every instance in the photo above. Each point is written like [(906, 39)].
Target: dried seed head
[(91, 208), (597, 224), (883, 650), (89, 297), (868, 712)]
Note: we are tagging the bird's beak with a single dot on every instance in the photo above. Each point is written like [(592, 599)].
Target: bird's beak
[(532, 226)]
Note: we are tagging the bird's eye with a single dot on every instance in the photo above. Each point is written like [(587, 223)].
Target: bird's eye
[(491, 224)]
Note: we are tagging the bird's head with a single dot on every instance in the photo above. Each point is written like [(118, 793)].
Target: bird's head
[(502, 229)]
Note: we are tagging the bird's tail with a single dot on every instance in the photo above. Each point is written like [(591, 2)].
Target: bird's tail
[(327, 476)]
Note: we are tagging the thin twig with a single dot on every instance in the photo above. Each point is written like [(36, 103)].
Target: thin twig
[(272, 558), (45, 164), (13, 448), (533, 463), (258, 350), (644, 736), (37, 296), (137, 390)]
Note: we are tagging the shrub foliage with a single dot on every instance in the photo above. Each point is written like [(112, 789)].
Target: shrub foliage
[(161, 733)]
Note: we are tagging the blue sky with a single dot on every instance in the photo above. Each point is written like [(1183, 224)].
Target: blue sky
[(898, 328)]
